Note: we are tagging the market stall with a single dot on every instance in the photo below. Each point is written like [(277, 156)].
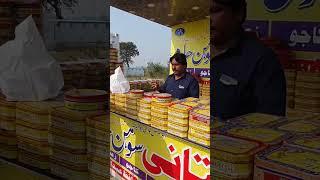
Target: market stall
[(154, 136), (253, 146), (65, 135)]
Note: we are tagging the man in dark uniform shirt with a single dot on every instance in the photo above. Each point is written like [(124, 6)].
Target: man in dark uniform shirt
[(180, 84), (246, 76)]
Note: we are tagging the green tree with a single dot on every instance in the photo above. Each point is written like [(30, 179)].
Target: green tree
[(128, 50), (156, 70), (56, 5)]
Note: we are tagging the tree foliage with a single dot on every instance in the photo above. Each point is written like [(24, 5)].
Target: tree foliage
[(156, 70), (128, 50)]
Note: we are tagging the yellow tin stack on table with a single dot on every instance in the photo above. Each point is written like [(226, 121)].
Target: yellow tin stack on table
[(68, 142), (307, 92), (293, 114), (178, 119), (96, 76), (98, 145), (287, 162), (120, 102), (8, 140), (205, 87), (267, 136), (144, 110), (232, 158), (114, 60), (32, 129), (159, 110), (308, 142), (86, 99), (131, 105), (112, 102), (291, 79), (300, 127), (199, 125), (256, 120)]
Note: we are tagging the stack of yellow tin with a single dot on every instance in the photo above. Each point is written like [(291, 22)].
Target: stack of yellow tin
[(256, 120), (131, 106), (178, 116), (85, 99), (8, 141), (112, 102), (32, 129), (120, 101), (307, 92), (293, 114), (291, 79), (267, 136), (98, 147), (288, 162), (199, 125), (144, 110), (205, 87), (300, 126), (232, 158), (68, 142), (159, 110), (96, 76)]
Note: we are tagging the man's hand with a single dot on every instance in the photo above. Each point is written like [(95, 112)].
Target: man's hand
[(155, 86)]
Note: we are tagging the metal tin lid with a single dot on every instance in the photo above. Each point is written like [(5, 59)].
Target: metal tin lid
[(256, 120), (162, 96), (201, 112), (234, 145), (311, 142), (150, 94), (292, 159), (264, 135), (300, 126), (180, 107), (137, 91), (86, 95)]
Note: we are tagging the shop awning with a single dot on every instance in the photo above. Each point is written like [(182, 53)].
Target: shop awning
[(165, 12)]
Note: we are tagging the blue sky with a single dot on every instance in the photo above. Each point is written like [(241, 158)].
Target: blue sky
[(153, 40)]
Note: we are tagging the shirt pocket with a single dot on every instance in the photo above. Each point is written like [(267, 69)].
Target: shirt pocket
[(181, 92), (230, 94)]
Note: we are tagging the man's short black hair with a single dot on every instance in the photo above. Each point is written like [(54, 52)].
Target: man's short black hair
[(180, 58), (236, 6)]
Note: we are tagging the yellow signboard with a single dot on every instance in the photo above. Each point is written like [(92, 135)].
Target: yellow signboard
[(193, 39), (284, 10), (138, 151), (294, 22)]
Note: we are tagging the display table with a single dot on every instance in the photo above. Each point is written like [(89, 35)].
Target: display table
[(12, 169), (139, 151)]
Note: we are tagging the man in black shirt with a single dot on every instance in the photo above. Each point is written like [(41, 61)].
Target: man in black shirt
[(246, 76), (180, 84)]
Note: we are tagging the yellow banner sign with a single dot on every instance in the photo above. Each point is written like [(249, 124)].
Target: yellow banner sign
[(193, 39), (284, 10), (138, 151)]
